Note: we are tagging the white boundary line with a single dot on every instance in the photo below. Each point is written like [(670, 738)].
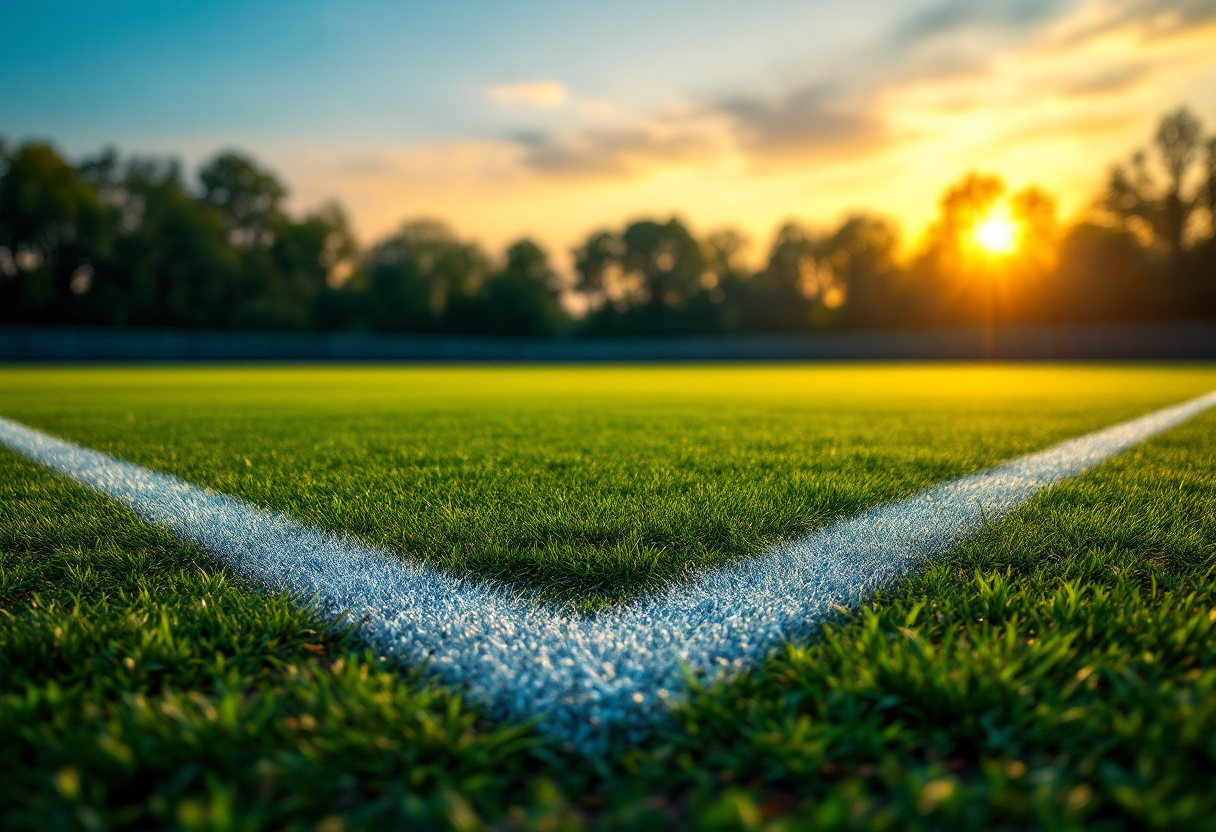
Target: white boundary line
[(609, 673)]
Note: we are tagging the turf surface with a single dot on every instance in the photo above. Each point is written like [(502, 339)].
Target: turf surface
[(585, 485), (1057, 671)]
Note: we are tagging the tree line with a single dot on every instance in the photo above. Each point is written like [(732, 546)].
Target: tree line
[(114, 242)]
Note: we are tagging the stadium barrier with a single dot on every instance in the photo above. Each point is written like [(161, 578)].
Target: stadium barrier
[(1144, 341)]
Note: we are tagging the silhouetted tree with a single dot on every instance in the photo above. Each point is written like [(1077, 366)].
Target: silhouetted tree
[(1134, 196), (132, 243), (248, 198), (864, 275), (339, 301), (781, 295), (725, 283), (521, 298), (304, 260), (724, 251), (53, 229), (949, 248), (954, 279), (414, 276), (597, 265), (1208, 191), (644, 279), (1104, 273), (665, 261)]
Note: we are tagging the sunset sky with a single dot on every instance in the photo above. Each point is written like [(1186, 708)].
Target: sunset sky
[(554, 118)]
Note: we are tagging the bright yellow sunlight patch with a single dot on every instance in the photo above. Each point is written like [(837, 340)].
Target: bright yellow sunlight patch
[(996, 235)]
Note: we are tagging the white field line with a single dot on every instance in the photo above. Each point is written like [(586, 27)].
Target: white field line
[(610, 673)]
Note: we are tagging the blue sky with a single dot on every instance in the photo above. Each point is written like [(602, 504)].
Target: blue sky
[(416, 71), (552, 118)]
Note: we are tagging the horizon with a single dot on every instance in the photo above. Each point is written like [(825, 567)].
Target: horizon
[(525, 126)]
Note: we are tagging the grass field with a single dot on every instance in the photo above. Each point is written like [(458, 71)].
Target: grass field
[(1056, 671), (586, 485)]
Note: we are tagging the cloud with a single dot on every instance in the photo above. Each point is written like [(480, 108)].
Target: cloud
[(955, 16), (1006, 58), (1162, 17), (364, 166), (959, 38), (1106, 82), (602, 151), (848, 114), (545, 95), (808, 122), (1013, 17)]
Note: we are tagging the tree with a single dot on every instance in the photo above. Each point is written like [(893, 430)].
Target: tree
[(664, 260), (778, 296), (53, 228), (1033, 211), (948, 251), (129, 242), (1135, 198), (957, 277), (817, 280), (724, 252), (173, 263), (860, 256), (417, 274), (597, 265), (1208, 192), (306, 259), (1104, 273), (521, 298), (643, 279), (248, 197)]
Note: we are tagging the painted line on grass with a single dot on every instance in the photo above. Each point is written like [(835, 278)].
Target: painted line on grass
[(610, 673)]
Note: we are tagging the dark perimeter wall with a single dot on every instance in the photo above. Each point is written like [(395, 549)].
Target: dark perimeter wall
[(1171, 340)]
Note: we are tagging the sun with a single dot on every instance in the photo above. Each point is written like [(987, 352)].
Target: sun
[(996, 235)]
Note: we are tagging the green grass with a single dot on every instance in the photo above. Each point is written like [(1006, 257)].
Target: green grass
[(1057, 671), (586, 485), (142, 684)]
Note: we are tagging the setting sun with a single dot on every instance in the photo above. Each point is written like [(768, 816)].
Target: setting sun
[(996, 235)]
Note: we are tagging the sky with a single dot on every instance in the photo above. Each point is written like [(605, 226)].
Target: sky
[(555, 119)]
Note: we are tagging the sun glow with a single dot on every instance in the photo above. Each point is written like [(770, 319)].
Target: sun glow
[(996, 235)]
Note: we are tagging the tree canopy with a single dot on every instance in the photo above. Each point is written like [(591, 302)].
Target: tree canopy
[(110, 241)]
